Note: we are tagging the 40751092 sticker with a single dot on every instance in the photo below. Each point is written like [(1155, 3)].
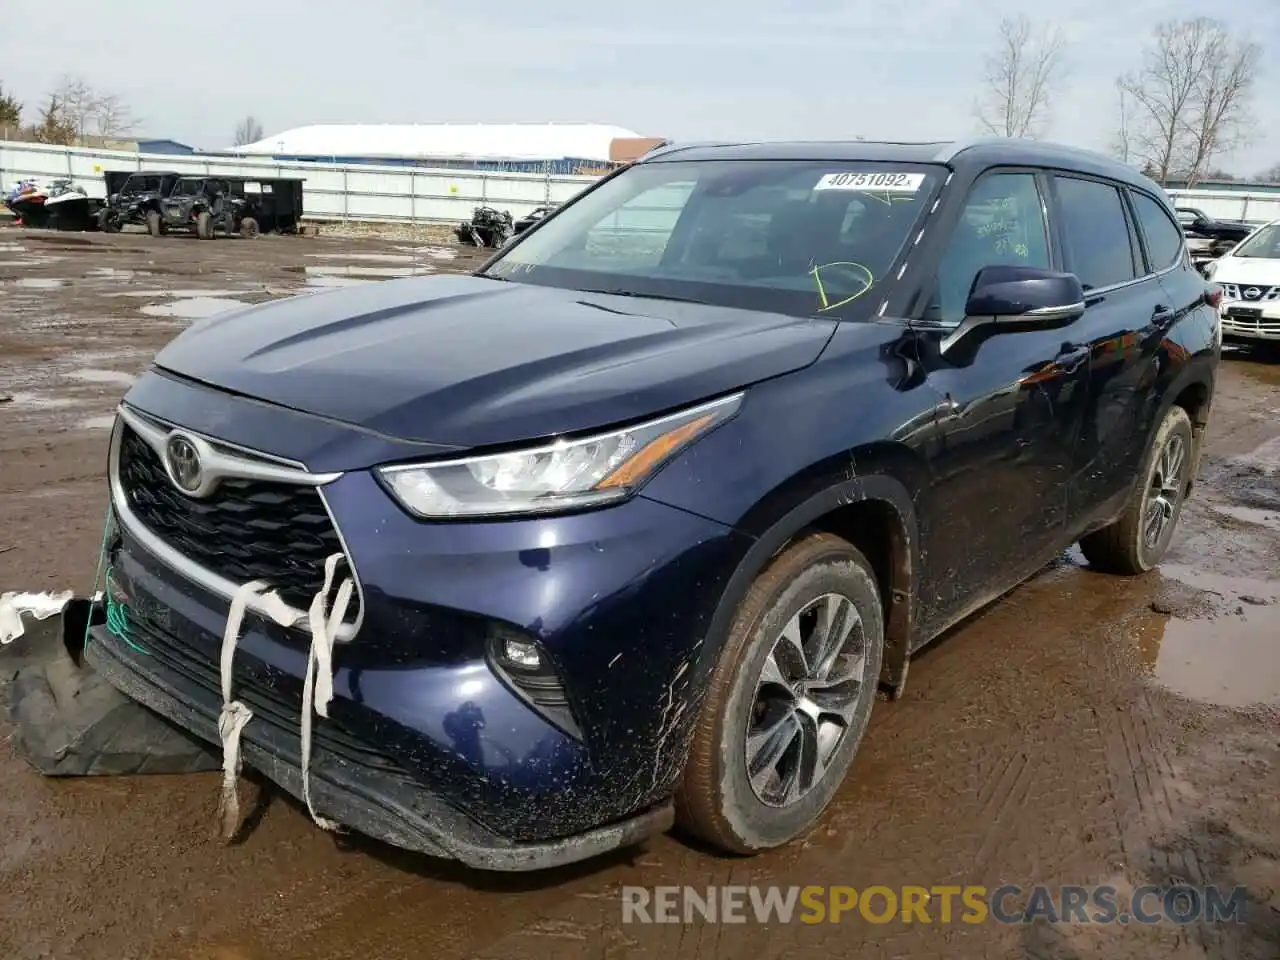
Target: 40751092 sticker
[(878, 182)]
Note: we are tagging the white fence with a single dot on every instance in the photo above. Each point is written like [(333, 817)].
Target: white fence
[(1231, 204), (331, 192), (397, 193)]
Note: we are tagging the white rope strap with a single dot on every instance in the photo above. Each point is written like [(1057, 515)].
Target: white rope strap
[(235, 715), (317, 688)]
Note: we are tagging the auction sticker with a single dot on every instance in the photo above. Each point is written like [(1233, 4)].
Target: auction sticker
[(879, 182)]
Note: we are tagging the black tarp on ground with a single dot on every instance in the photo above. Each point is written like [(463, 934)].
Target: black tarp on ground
[(71, 722)]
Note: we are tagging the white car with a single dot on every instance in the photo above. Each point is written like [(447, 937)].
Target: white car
[(1250, 280)]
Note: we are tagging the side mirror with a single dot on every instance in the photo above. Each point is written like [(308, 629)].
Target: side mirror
[(1025, 297), (1005, 299)]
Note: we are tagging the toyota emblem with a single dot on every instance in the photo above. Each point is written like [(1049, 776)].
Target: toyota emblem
[(184, 464), (1253, 293)]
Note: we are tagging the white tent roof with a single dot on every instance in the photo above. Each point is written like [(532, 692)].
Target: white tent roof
[(510, 141)]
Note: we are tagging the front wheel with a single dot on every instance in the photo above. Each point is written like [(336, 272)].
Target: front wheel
[(155, 225), (248, 228), (204, 225), (1138, 540), (789, 699)]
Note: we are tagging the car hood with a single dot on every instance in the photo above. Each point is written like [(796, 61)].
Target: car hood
[(467, 361), (1248, 270)]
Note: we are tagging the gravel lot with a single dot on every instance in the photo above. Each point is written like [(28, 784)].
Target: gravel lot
[(1085, 729)]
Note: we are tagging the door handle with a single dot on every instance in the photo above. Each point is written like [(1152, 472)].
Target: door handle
[(1071, 356), (1161, 312)]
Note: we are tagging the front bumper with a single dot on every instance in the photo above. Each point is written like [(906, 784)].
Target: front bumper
[(1250, 320), (428, 746), (380, 802)]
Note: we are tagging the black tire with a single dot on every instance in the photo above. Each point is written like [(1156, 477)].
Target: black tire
[(1123, 547), (155, 224), (716, 800), (248, 228), (204, 225), (107, 222)]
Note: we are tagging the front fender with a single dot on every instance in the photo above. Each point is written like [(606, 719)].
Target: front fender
[(776, 528)]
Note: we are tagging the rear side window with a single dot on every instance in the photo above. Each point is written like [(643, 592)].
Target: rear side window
[(1163, 236), (1096, 232)]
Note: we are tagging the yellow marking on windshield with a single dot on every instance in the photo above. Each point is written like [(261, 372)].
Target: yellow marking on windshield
[(888, 199), (822, 291)]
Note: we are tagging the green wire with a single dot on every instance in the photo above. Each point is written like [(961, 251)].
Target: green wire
[(99, 575), (118, 618)]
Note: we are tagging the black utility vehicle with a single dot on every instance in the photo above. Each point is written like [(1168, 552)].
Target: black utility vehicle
[(231, 205), (1207, 238), (134, 198), (539, 214)]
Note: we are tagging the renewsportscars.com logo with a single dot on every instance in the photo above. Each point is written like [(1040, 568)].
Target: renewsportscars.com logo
[(1008, 904)]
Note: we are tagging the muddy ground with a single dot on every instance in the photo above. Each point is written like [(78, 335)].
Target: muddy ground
[(1086, 729)]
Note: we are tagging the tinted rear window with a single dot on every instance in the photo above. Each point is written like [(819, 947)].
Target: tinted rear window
[(1163, 236), (1096, 232)]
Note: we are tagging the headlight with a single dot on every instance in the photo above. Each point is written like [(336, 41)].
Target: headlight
[(570, 473)]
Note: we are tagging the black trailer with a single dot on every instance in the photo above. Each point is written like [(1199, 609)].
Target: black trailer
[(206, 205), (134, 196)]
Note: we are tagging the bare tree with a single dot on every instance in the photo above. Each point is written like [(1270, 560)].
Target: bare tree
[(248, 130), (1271, 175), (1122, 142), (113, 117), (1191, 96), (54, 125), (78, 103), (1020, 79), (1219, 120)]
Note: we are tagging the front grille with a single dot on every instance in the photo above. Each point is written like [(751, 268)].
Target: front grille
[(246, 530), (1237, 322)]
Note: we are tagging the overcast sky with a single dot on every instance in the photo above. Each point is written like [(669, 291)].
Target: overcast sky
[(907, 69)]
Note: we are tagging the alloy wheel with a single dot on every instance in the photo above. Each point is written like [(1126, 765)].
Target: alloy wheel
[(805, 699), (1164, 492)]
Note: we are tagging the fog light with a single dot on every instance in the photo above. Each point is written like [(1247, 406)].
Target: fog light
[(521, 653)]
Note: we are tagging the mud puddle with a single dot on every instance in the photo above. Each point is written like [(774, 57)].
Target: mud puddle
[(118, 377), (1259, 516), (359, 270), (116, 273), (192, 308), (436, 253), (366, 257), (1230, 661), (28, 399), (40, 283)]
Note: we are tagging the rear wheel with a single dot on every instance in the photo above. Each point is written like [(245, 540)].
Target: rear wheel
[(789, 699), (1138, 540), (107, 222), (204, 225), (248, 227), (155, 225)]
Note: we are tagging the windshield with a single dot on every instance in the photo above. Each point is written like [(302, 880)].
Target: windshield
[(1263, 245), (797, 237), (188, 188)]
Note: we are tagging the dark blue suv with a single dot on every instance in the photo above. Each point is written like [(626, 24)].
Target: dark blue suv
[(632, 523)]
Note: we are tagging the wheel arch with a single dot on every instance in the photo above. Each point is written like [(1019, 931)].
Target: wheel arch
[(872, 506), (1192, 390)]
